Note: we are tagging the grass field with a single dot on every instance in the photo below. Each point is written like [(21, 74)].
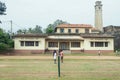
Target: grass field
[(17, 68)]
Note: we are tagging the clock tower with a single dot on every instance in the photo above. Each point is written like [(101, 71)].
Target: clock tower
[(98, 16)]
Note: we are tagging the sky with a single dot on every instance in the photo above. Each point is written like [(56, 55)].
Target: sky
[(29, 13)]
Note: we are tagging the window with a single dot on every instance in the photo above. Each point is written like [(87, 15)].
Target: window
[(52, 44), (99, 44), (77, 31), (106, 44), (69, 30), (29, 43), (61, 30), (92, 44), (36, 43), (22, 43), (75, 44), (86, 30)]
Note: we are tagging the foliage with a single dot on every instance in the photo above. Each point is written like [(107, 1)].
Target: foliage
[(36, 30), (51, 27), (2, 8), (114, 31), (3, 47), (5, 41), (116, 41)]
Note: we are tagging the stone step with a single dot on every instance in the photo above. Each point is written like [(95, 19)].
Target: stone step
[(66, 51)]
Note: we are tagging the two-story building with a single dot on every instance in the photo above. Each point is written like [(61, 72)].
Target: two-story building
[(71, 38)]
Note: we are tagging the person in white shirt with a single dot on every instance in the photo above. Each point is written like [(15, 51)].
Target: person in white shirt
[(54, 56)]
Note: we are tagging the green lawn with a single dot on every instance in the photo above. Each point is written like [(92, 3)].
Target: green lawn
[(71, 69)]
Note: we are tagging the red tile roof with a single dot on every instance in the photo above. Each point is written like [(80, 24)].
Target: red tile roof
[(75, 26)]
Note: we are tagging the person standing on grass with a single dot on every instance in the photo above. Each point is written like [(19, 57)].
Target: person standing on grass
[(61, 55), (54, 56), (99, 52)]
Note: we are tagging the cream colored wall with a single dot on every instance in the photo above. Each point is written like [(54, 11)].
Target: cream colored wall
[(43, 44), (81, 30), (109, 40), (19, 47)]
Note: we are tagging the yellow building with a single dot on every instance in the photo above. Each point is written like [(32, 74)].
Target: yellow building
[(71, 38)]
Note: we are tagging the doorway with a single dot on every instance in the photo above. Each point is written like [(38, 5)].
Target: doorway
[(64, 46)]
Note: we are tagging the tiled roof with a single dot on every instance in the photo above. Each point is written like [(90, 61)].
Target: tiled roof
[(97, 35), (30, 35), (75, 25), (95, 30)]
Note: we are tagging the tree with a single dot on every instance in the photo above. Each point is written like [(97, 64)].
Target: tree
[(5, 42), (22, 31), (2, 8), (30, 30), (51, 27), (36, 30)]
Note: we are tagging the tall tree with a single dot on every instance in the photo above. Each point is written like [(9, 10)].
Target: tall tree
[(5, 41), (50, 28), (37, 29)]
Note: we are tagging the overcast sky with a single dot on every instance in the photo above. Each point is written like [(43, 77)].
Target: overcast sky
[(28, 13)]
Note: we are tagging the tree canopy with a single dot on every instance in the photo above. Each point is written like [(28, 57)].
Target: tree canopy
[(51, 27), (5, 41), (36, 30)]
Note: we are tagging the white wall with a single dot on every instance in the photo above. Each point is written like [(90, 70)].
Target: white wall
[(19, 47), (109, 40)]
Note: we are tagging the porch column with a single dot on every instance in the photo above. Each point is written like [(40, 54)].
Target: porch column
[(70, 45)]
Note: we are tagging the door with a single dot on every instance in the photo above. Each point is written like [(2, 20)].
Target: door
[(64, 45)]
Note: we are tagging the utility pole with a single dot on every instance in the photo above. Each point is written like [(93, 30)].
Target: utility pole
[(11, 29), (11, 25), (58, 65)]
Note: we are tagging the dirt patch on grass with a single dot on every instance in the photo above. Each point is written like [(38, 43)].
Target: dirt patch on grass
[(3, 66)]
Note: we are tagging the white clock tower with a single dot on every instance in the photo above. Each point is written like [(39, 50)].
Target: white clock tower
[(98, 16)]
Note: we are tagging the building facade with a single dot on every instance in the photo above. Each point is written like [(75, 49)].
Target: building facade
[(71, 38)]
